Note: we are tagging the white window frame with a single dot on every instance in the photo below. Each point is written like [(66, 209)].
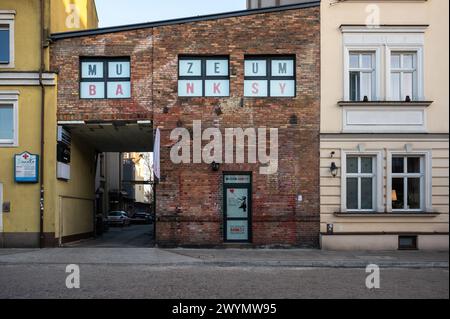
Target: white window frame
[(425, 185), (7, 18), (376, 85), (376, 175), (383, 39), (11, 98), (419, 77), (361, 70)]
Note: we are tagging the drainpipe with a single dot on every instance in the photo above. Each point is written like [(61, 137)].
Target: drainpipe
[(41, 83)]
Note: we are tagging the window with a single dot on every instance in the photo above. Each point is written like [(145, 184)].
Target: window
[(8, 118), (6, 123), (270, 76), (360, 183), (407, 243), (407, 183), (386, 65), (403, 76), (4, 44), (7, 38), (362, 76), (203, 76), (105, 78)]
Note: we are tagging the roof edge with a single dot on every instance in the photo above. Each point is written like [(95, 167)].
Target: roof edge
[(145, 25)]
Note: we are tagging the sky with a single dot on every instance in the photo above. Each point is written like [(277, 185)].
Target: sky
[(120, 12)]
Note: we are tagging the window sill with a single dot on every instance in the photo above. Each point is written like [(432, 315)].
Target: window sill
[(386, 103), (389, 215), (6, 66)]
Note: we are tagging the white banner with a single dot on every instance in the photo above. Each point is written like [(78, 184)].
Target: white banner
[(156, 154)]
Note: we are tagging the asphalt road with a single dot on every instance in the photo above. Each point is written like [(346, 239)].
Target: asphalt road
[(133, 236), (112, 267), (140, 281)]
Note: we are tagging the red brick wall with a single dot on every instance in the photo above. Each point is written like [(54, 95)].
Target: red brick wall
[(65, 59), (189, 197)]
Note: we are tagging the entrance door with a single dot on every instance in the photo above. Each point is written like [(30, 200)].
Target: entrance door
[(237, 207)]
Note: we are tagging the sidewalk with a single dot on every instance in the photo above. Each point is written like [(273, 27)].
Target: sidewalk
[(225, 257)]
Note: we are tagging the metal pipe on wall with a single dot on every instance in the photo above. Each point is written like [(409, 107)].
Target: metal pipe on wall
[(41, 83)]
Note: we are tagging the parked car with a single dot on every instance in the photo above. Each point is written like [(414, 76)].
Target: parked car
[(119, 218), (142, 218)]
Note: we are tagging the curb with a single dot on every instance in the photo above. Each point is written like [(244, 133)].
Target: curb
[(233, 264)]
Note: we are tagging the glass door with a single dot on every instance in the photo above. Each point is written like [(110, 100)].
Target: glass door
[(237, 207)]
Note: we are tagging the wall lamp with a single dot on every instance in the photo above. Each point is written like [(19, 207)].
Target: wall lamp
[(215, 166), (333, 169)]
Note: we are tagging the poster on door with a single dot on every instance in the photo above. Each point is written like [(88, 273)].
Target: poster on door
[(237, 203), (237, 230)]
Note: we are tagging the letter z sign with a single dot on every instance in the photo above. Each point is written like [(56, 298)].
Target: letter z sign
[(105, 79)]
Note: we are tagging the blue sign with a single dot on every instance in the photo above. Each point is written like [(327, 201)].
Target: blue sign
[(26, 168)]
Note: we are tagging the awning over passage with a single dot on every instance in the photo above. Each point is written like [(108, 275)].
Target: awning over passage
[(114, 136)]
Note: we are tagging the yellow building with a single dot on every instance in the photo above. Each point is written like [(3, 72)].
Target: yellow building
[(28, 99), (384, 124)]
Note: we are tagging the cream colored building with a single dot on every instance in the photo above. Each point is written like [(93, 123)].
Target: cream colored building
[(142, 173), (385, 125), (142, 192)]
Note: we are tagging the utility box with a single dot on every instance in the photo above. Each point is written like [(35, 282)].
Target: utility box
[(63, 154)]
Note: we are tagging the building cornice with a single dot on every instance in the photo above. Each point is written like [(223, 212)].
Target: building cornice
[(386, 103), (26, 78), (7, 14), (386, 28), (388, 215), (12, 95), (384, 136)]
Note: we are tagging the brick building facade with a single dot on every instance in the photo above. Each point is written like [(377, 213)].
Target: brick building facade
[(283, 208)]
